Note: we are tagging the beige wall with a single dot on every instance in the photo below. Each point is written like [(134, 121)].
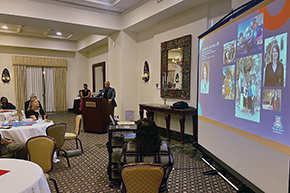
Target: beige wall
[(7, 90), (125, 60)]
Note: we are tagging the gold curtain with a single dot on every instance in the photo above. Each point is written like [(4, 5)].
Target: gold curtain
[(20, 85), (59, 76), (39, 62), (59, 73)]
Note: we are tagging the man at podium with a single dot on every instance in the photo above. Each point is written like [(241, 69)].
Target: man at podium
[(110, 94)]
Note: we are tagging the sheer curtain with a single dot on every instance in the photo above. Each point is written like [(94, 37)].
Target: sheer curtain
[(35, 85), (49, 89), (34, 82)]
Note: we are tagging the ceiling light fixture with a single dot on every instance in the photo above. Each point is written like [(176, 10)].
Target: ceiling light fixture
[(58, 33), (4, 27)]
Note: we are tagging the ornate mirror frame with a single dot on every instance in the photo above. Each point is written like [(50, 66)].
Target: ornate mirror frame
[(101, 65), (185, 44)]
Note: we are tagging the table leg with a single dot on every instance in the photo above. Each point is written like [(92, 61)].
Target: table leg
[(141, 113), (167, 119), (150, 115), (182, 123)]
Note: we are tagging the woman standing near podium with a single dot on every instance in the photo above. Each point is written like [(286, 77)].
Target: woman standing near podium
[(84, 94)]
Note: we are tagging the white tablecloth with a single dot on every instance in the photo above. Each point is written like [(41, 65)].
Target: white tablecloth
[(23, 133), (24, 177)]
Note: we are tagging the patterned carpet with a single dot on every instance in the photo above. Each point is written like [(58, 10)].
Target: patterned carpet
[(88, 172)]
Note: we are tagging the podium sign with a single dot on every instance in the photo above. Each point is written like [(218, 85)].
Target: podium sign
[(96, 113)]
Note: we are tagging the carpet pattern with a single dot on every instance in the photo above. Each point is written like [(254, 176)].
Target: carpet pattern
[(88, 172)]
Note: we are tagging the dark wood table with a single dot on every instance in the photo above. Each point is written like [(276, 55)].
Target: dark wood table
[(182, 113)]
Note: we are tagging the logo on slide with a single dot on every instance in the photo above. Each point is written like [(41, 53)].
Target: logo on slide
[(277, 125)]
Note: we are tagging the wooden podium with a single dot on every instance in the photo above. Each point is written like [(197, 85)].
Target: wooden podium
[(96, 113)]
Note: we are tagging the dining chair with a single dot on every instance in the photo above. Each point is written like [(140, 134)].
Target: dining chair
[(142, 177), (70, 136), (57, 131), (40, 151), (6, 155)]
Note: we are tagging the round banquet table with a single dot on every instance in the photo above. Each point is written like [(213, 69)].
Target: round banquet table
[(23, 133), (6, 114), (22, 177)]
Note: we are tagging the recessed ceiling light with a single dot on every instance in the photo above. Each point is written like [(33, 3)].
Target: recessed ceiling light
[(4, 27), (58, 33)]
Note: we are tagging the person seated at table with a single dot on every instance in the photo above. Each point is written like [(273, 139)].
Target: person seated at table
[(85, 92), (32, 96), (17, 148), (148, 147), (6, 104), (34, 111)]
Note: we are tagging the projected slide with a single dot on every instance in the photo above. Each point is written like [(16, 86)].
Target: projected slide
[(244, 76)]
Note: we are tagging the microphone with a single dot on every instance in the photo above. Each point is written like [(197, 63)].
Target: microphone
[(101, 94)]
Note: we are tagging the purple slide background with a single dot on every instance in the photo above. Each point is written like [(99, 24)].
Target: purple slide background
[(213, 106)]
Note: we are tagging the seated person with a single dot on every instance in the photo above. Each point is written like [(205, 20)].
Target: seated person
[(85, 92), (6, 104), (10, 146), (148, 147), (34, 111), (32, 96)]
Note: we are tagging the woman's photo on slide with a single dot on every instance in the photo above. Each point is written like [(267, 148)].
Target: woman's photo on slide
[(228, 85), (204, 83), (272, 99), (275, 61)]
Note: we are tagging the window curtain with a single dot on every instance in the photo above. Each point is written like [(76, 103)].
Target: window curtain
[(20, 86), (59, 77), (59, 67), (49, 89), (34, 82)]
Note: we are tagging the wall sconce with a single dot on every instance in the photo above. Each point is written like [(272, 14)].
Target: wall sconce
[(145, 76), (5, 76)]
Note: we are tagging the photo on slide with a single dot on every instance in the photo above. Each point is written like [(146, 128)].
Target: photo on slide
[(275, 61), (248, 87), (229, 53), (272, 99), (228, 86), (204, 83), (250, 35)]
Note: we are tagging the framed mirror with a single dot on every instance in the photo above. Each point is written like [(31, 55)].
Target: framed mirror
[(175, 68), (99, 76)]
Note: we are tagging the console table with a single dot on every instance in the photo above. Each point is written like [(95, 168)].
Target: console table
[(152, 108)]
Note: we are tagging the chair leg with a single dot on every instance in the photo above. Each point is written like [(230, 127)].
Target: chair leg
[(65, 155), (55, 184), (77, 139), (77, 143)]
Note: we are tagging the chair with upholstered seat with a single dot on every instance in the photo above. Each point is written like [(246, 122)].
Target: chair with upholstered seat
[(7, 155), (40, 150), (142, 177), (57, 131), (70, 136)]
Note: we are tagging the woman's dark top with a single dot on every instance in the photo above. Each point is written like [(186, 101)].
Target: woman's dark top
[(274, 78), (32, 112), (8, 106), (85, 93)]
